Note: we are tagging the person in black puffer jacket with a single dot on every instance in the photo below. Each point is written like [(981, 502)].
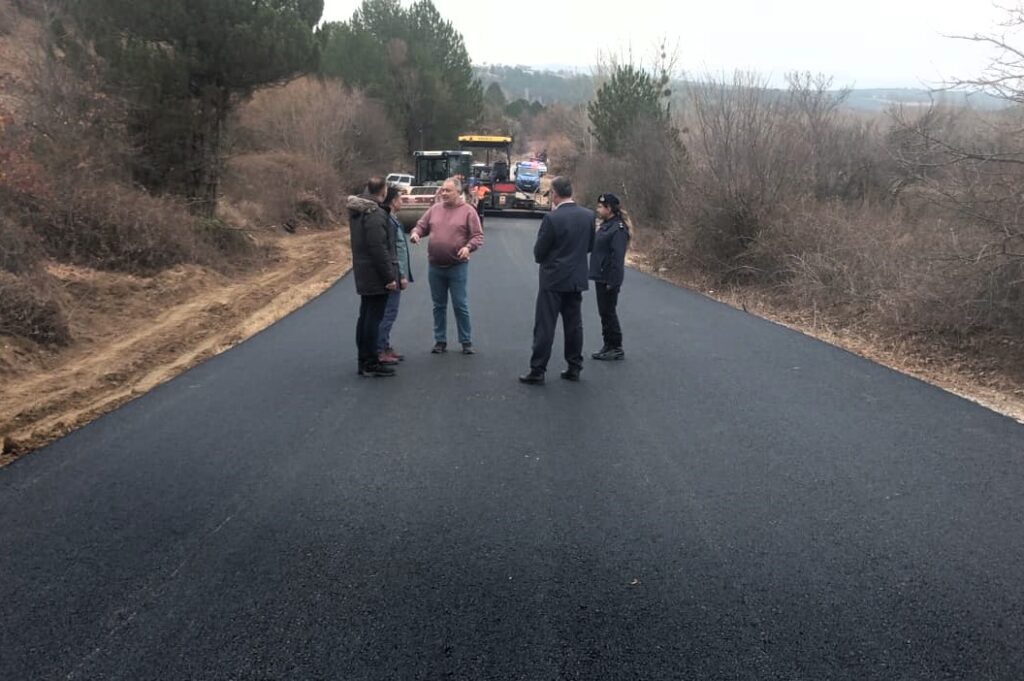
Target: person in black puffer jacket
[(607, 269), (374, 269)]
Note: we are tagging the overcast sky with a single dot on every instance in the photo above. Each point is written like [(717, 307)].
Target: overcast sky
[(866, 43)]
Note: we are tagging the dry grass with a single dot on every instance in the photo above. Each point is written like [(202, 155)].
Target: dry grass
[(280, 188), (31, 307)]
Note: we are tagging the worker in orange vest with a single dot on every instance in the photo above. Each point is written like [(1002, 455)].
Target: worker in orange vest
[(479, 191)]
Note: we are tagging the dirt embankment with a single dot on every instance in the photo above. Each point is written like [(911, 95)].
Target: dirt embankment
[(133, 333)]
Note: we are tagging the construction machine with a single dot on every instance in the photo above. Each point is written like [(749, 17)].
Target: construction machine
[(494, 153)]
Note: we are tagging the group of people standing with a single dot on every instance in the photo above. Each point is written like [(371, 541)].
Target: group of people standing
[(569, 251)]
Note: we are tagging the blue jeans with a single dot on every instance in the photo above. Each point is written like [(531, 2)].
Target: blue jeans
[(390, 315), (454, 279)]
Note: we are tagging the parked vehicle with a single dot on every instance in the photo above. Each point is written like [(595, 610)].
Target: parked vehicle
[(527, 180), (494, 174), (401, 180)]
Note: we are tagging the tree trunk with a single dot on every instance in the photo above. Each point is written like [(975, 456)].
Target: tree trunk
[(203, 179)]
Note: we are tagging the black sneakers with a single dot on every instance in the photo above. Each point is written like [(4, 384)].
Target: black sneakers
[(439, 348), (607, 354), (532, 378), (467, 349), (377, 370)]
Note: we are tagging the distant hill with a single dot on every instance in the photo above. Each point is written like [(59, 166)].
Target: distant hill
[(882, 99), (576, 87), (546, 87)]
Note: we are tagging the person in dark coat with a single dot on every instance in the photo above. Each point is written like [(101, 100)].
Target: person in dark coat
[(607, 269), (565, 238), (374, 268)]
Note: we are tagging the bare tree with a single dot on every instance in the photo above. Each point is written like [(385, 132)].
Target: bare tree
[(970, 162), (966, 168)]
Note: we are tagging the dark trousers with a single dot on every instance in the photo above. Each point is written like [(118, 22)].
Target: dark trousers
[(607, 302), (550, 304), (371, 312)]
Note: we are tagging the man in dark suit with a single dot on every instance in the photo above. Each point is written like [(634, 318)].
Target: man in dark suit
[(565, 239)]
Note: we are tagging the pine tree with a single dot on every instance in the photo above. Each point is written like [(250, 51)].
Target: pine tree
[(630, 97), (413, 60), (184, 64)]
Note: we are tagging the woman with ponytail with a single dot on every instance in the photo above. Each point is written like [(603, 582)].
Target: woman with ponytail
[(607, 268)]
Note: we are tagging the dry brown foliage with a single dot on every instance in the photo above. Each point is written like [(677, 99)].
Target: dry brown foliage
[(30, 307), (278, 188), (906, 226), (325, 121), (30, 303), (8, 18)]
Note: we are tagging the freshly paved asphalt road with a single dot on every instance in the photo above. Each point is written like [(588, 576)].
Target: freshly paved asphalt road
[(733, 501)]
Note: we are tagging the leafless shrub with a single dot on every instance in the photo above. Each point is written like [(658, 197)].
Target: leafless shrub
[(962, 172), (20, 251), (757, 153), (30, 308), (746, 164), (107, 225), (331, 124), (944, 295), (597, 173), (823, 255), (78, 131), (563, 133), (33, 8), (8, 17), (278, 187)]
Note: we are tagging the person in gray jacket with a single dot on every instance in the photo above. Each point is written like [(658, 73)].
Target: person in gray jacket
[(392, 204), (607, 269), (565, 238), (374, 270)]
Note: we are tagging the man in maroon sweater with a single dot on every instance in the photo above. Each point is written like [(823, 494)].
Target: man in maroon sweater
[(455, 232)]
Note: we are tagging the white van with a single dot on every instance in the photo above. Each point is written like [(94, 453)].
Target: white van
[(400, 180)]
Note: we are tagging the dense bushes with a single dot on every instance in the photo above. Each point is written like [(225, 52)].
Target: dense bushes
[(905, 223)]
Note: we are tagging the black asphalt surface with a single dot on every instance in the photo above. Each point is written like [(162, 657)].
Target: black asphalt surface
[(732, 501)]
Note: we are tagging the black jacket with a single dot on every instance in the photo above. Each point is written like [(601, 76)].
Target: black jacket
[(608, 261), (374, 254), (566, 236)]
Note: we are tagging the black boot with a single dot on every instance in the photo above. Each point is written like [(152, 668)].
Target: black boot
[(610, 354), (532, 378), (376, 370)]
